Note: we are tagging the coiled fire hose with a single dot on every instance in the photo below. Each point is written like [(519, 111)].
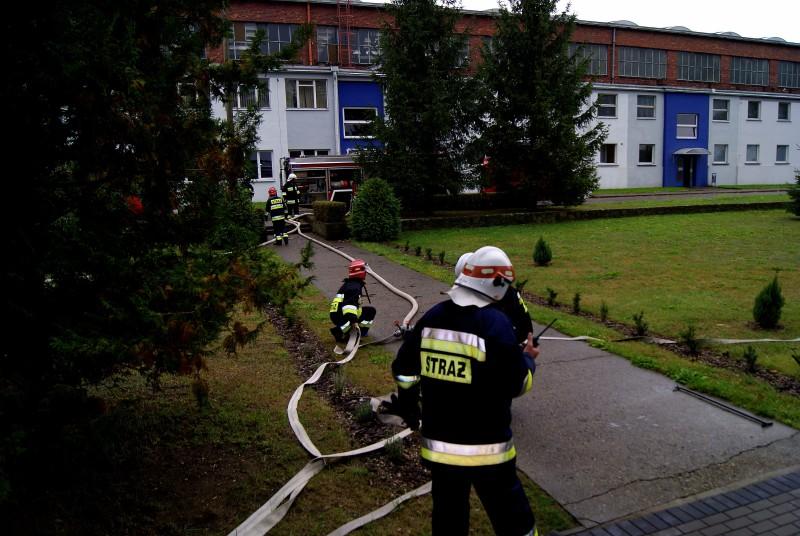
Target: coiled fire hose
[(265, 518)]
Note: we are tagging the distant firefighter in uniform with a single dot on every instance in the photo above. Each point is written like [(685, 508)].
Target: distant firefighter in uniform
[(346, 310), (276, 210), (292, 195)]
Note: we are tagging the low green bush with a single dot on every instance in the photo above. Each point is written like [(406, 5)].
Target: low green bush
[(642, 327), (794, 193), (542, 254), (376, 212)]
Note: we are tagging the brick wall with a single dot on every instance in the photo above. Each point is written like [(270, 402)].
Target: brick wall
[(483, 25)]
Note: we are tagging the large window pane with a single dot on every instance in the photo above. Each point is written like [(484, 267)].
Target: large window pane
[(597, 56), (754, 109), (720, 154), (645, 106), (782, 153), (606, 105), (642, 62), (752, 153), (646, 152), (327, 44), (698, 67), (608, 153), (750, 71), (687, 126), (789, 74), (721, 109)]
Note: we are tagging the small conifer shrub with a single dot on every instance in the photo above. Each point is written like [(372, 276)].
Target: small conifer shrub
[(576, 303), (641, 326), (405, 248), (551, 297), (750, 357), (542, 254), (429, 254), (689, 337), (603, 311), (768, 305), (418, 251), (441, 257), (794, 193)]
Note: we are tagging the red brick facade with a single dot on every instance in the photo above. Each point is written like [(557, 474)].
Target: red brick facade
[(478, 25)]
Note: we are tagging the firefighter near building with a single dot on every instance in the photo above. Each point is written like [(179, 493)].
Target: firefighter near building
[(291, 194), (276, 210), (346, 311), (463, 361)]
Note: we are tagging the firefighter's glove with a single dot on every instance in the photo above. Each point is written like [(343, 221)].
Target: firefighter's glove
[(405, 409)]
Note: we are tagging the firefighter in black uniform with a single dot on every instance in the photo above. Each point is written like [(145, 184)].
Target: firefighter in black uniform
[(346, 310), (292, 195), (463, 360), (275, 209)]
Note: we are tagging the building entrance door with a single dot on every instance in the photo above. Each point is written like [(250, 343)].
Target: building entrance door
[(686, 170)]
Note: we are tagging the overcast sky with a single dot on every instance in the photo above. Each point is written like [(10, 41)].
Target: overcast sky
[(763, 18)]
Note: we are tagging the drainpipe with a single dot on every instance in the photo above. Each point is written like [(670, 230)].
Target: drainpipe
[(310, 48), (613, 54), (336, 113)]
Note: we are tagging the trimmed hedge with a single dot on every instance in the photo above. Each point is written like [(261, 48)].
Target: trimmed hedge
[(376, 212), (329, 211)]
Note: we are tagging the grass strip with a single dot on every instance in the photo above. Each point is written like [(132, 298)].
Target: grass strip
[(740, 389)]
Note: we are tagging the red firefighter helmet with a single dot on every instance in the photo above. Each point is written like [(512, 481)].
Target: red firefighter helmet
[(273, 191), (357, 269)]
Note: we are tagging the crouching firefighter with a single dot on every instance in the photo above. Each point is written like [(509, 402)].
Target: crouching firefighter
[(277, 212), (346, 310), (464, 362)]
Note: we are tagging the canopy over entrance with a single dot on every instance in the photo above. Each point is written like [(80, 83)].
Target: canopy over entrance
[(692, 151)]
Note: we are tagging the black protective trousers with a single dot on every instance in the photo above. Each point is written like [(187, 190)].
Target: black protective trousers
[(498, 488)]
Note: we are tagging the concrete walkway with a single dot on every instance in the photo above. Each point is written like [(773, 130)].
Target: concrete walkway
[(606, 439)]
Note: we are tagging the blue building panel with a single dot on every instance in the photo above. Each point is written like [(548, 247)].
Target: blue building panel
[(357, 95), (677, 167)]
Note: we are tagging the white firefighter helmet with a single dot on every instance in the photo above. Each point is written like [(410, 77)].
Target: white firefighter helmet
[(486, 275), (462, 260), (291, 177)]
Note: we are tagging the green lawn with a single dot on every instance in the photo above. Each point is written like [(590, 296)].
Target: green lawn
[(704, 269), (679, 189), (635, 202)]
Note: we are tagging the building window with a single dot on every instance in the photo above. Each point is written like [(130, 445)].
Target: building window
[(357, 121), (306, 94), (647, 153), (754, 109), (262, 160), (789, 74), (487, 44), (720, 110), (642, 62), (608, 153), (463, 53), (698, 67), (782, 154), (257, 97), (720, 154), (645, 106), (276, 37), (750, 71), (687, 126), (327, 44), (606, 105), (365, 46), (784, 111), (596, 55), (752, 154), (296, 153)]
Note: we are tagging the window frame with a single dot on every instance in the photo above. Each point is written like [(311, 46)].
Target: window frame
[(714, 155), (640, 107), (293, 100), (346, 122), (748, 69), (259, 166), (786, 154), (727, 110), (788, 105), (789, 74), (758, 109), (603, 154), (646, 62), (747, 160), (652, 161), (696, 66), (601, 106), (257, 94), (694, 126), (358, 48), (300, 153), (597, 56), (324, 43)]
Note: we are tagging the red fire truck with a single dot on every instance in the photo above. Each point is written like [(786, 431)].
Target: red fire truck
[(326, 178)]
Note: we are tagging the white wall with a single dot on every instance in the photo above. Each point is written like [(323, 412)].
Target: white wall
[(615, 175), (767, 133), (645, 131)]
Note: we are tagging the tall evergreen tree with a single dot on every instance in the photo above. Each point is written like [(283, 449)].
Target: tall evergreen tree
[(423, 71), (131, 236), (536, 116)]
